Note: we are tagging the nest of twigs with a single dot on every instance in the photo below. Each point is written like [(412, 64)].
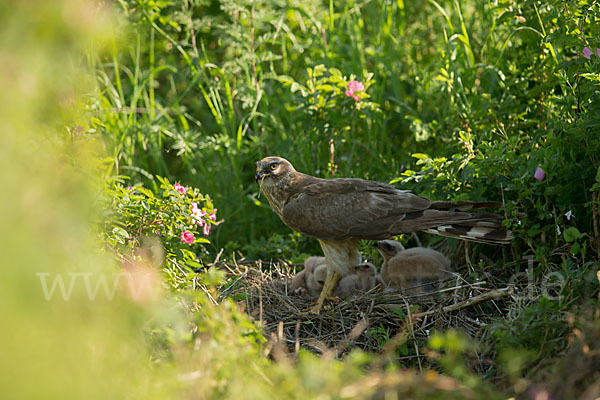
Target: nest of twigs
[(375, 321)]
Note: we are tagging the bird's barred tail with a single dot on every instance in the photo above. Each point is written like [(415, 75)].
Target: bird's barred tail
[(481, 234), (482, 231)]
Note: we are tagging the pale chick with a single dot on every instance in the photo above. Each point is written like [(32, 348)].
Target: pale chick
[(361, 281), (316, 280), (311, 279), (415, 269)]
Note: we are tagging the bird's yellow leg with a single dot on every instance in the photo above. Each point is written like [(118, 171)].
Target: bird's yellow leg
[(330, 281)]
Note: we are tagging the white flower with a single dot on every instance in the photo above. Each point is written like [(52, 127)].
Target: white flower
[(569, 215), (558, 232)]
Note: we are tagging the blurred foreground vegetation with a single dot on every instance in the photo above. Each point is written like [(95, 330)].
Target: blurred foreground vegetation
[(107, 105)]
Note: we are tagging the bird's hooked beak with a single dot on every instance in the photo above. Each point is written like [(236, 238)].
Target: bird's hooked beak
[(259, 174)]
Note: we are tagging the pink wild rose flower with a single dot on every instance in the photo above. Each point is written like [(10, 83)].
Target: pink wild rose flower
[(187, 237), (354, 86), (197, 214), (587, 52), (539, 174), (181, 189), (212, 216)]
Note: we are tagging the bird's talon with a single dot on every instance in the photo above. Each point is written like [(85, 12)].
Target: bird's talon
[(314, 310)]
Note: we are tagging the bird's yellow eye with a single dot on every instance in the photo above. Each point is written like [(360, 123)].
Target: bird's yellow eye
[(273, 167)]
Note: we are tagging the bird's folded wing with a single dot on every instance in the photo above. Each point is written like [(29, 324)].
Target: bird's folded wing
[(340, 209)]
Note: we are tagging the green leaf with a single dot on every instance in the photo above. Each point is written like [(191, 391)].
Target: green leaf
[(120, 232), (187, 255), (319, 70), (194, 264), (335, 72), (295, 87), (324, 88), (286, 80), (145, 191), (572, 234), (162, 180), (591, 76), (240, 296), (398, 311), (575, 248)]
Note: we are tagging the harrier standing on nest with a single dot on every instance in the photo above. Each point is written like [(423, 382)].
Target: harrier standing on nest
[(340, 212)]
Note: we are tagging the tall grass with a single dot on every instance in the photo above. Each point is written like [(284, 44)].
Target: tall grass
[(220, 106), (199, 95)]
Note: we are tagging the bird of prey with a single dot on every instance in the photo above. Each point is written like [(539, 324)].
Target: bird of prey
[(340, 212), (416, 267), (361, 281)]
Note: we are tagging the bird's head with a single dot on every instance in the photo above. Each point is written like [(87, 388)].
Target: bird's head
[(320, 273), (272, 167), (365, 268), (389, 248)]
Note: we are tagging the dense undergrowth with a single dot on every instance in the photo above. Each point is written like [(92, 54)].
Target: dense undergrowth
[(127, 125)]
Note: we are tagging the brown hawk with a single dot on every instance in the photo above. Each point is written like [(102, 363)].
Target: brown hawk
[(340, 212)]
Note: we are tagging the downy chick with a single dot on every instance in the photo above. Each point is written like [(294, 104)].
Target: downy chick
[(316, 280), (362, 280), (305, 281), (417, 268)]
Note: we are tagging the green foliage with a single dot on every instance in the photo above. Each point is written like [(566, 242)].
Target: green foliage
[(491, 91), (294, 247), (135, 214), (332, 107), (510, 112), (538, 328), (103, 346), (461, 100), (383, 335)]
